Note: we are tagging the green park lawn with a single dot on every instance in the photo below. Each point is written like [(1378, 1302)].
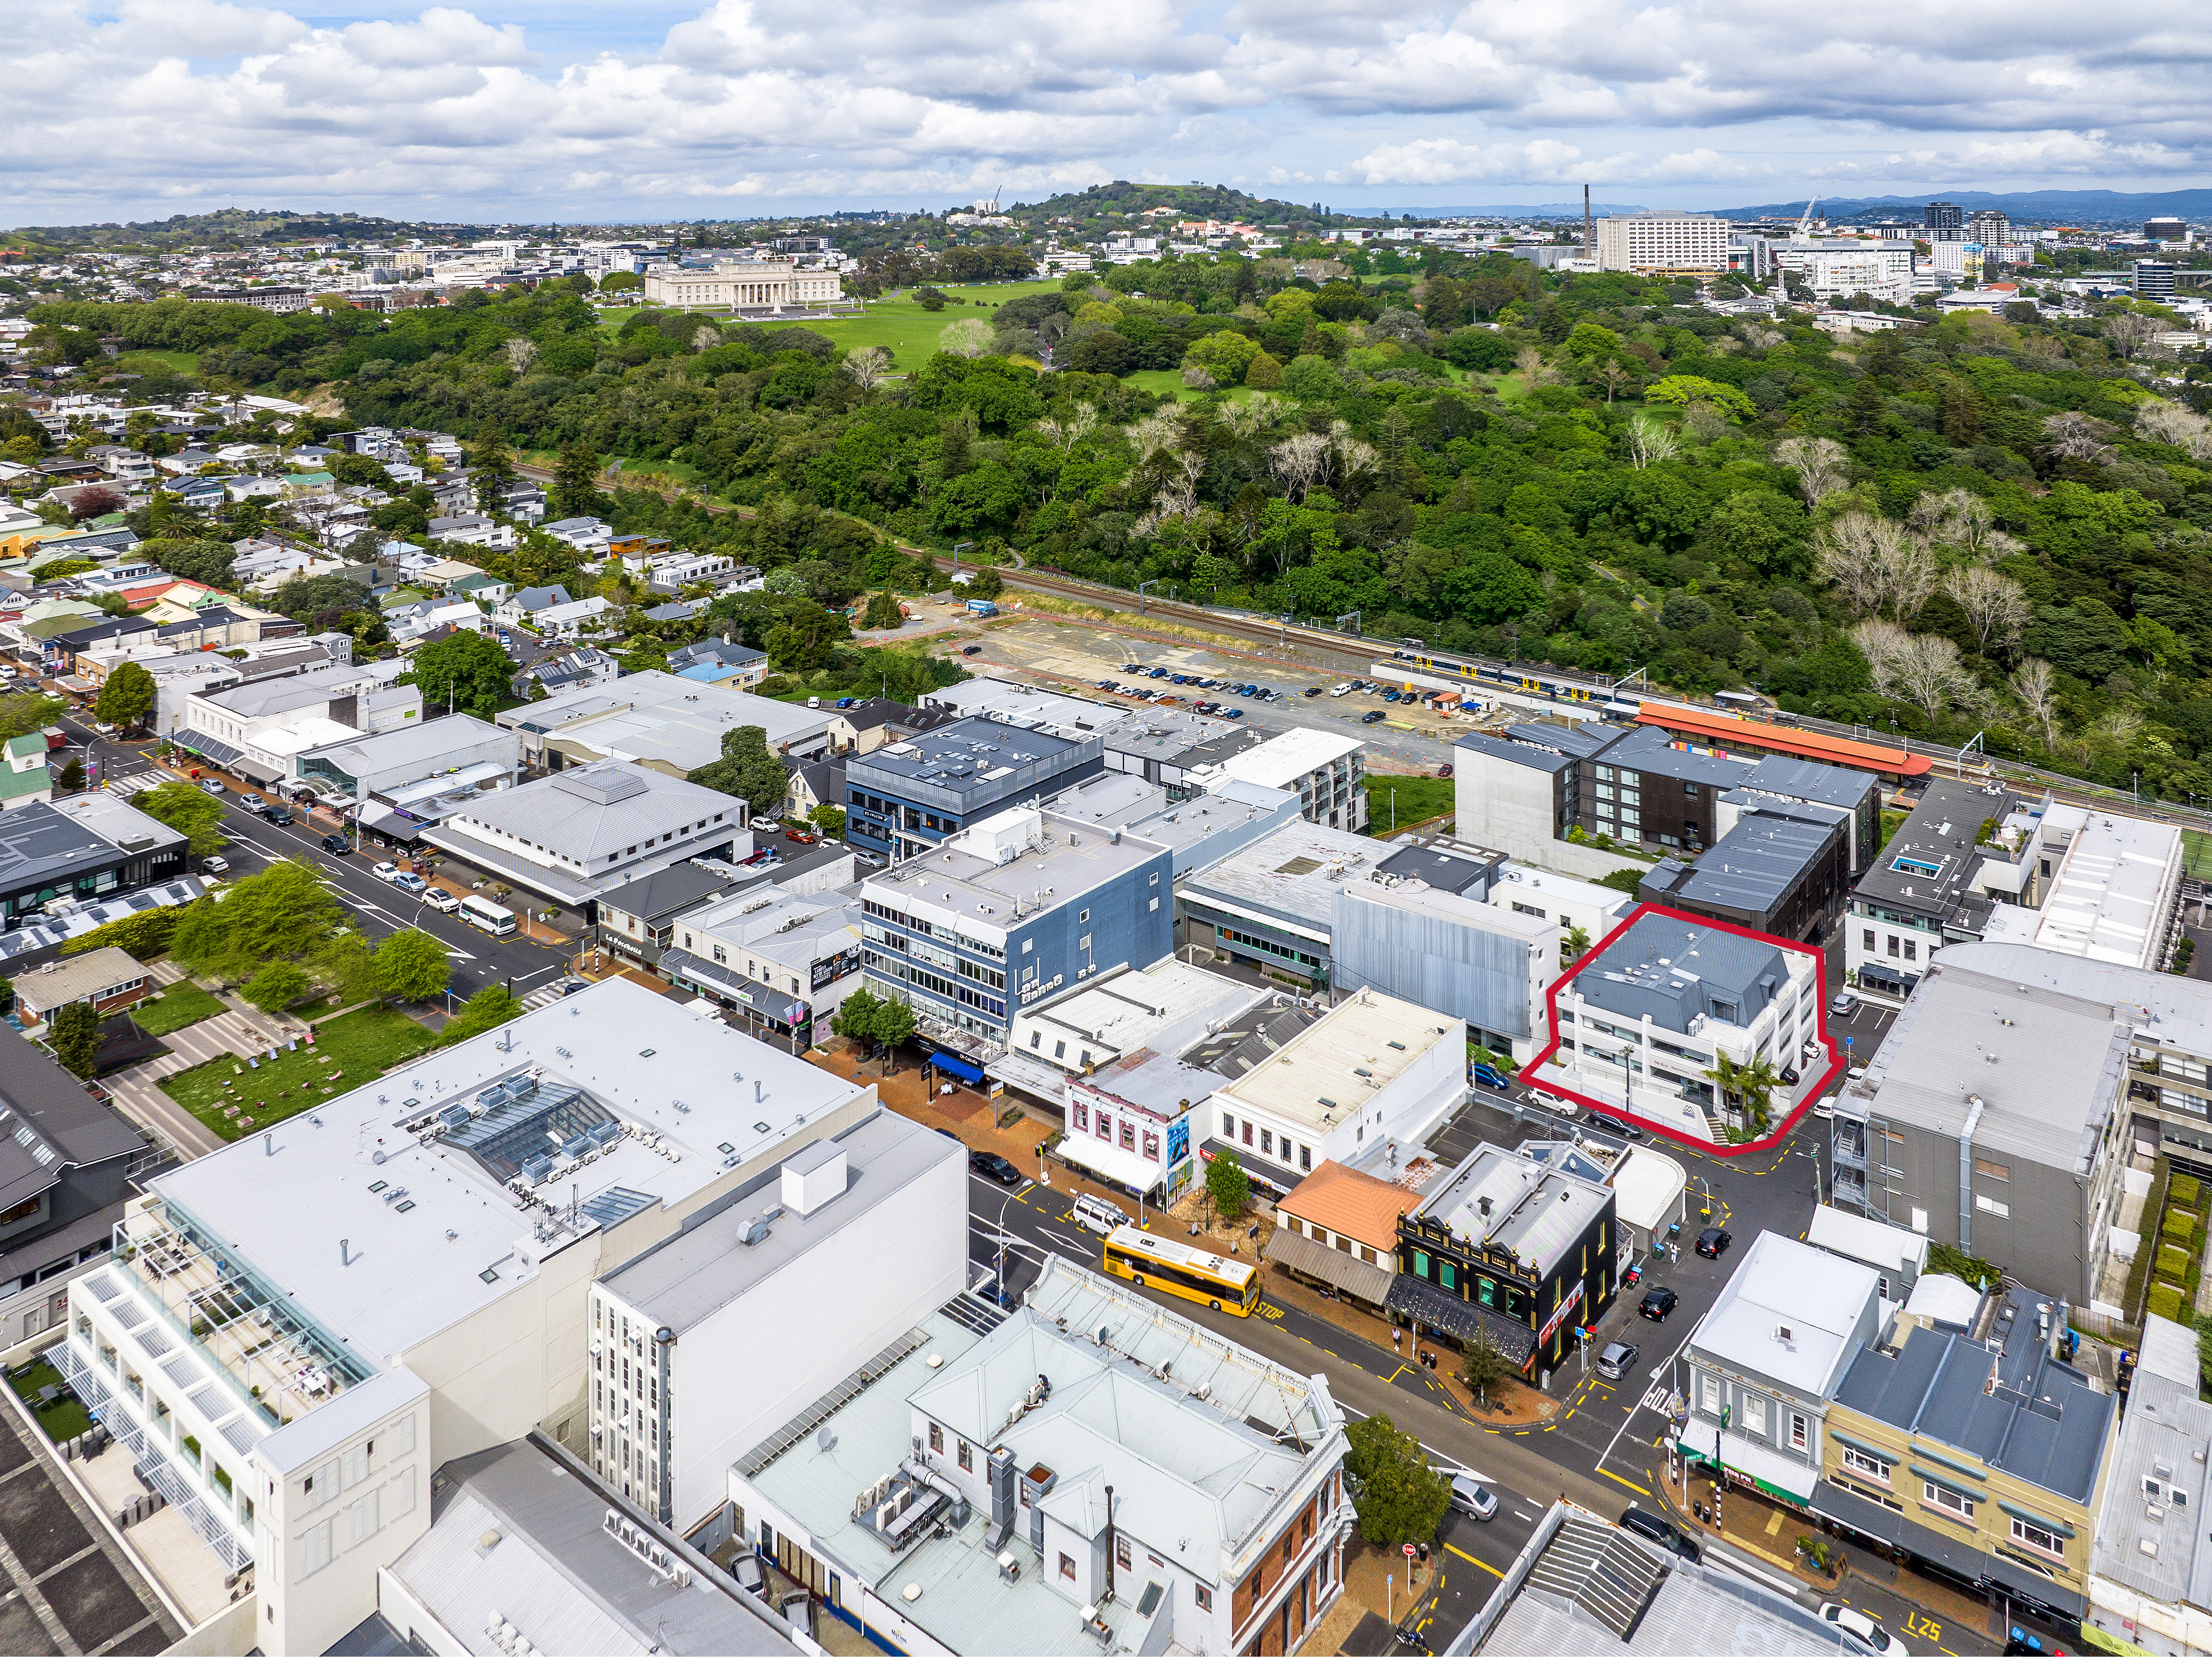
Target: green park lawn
[(347, 1051), (64, 1417), (1419, 799), (909, 333), (181, 1004)]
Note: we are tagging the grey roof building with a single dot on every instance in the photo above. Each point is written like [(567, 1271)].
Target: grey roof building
[(1777, 870), (1923, 887), (634, 919), (1271, 904), (907, 796), (2150, 1572), (91, 846), (1677, 971), (1993, 1119), (1200, 831)]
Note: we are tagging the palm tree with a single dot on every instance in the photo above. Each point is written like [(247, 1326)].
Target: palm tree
[(1574, 945), (1746, 1087)]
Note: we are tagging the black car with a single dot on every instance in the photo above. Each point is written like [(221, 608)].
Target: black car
[(971, 650), (1712, 1242), (1657, 1303), (993, 1166), (1611, 1125), (1650, 1525), (1370, 716), (279, 816), (336, 845)]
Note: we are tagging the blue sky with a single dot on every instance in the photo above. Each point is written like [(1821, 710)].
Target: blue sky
[(567, 111)]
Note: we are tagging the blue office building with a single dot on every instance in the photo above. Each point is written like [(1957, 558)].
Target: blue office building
[(1020, 906), (907, 796)]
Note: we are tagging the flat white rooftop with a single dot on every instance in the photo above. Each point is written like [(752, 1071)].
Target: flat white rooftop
[(994, 872), (1358, 1048), (2109, 898), (1280, 762)]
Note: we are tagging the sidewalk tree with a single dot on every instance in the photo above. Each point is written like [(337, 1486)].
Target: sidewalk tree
[(277, 986), (1228, 1186), (1483, 1366), (72, 776), (466, 672), (412, 966), (196, 815), (74, 1034), (347, 966), (1398, 1496), (487, 1010), (894, 1024), (747, 770), (279, 914), (127, 697), (29, 710), (143, 936)]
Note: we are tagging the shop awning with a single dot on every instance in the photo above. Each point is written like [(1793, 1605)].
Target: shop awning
[(221, 753), (1885, 1525), (696, 972), (1258, 1173), (951, 1064), (1354, 1275), (1699, 1439), (1768, 1468), (1447, 1313)]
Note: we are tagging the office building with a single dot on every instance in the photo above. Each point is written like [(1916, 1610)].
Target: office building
[(1575, 907), (2145, 1555), (461, 751), (1638, 1023), (298, 1329), (1993, 1118), (2164, 229), (1944, 220), (662, 721), (636, 921), (1508, 1249), (1781, 870), (1324, 768), (1169, 747), (1663, 244), (1899, 1256), (907, 796), (1762, 1368), (582, 832), (1006, 913), (1486, 965), (1371, 1069), (1272, 905), (683, 1382), (778, 955), (965, 1512), (80, 850), (1966, 1439), (259, 728), (1199, 829), (2153, 279)]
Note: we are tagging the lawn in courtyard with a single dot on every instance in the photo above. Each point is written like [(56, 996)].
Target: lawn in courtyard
[(181, 1004), (234, 1097)]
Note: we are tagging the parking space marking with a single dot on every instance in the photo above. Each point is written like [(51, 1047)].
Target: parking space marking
[(1462, 1553)]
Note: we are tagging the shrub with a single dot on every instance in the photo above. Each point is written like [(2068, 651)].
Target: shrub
[(2166, 1301), (2180, 1226), (2183, 1190), (2173, 1263)]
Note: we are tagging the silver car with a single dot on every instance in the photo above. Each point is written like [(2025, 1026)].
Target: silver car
[(1475, 1500)]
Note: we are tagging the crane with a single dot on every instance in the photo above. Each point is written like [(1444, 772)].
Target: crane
[(1804, 230)]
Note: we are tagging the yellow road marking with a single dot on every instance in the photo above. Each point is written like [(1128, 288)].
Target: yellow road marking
[(1623, 1482), (1471, 1560)]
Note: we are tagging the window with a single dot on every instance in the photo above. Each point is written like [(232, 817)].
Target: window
[(1305, 1158), (1248, 1133), (365, 1521), (1947, 1501), (1421, 1264), (1202, 1595), (1798, 1429), (1865, 1465), (1911, 950), (936, 1439), (1710, 1390), (1228, 1125), (1992, 1170), (1992, 1205), (1266, 1143), (1083, 917), (1067, 1567), (1081, 1116), (967, 1456), (2034, 1536), (1122, 1554), (318, 1541), (1128, 1134), (1105, 1125)]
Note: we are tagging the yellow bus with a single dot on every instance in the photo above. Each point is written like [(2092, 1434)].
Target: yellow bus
[(1152, 1262)]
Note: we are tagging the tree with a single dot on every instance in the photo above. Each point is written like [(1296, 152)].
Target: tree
[(74, 1034), (1482, 1366), (829, 819), (29, 710), (495, 467), (1819, 463), (867, 366), (2036, 686), (1574, 945), (280, 913), (143, 935), (95, 501), (747, 770), (465, 671), (621, 281), (72, 776), (412, 966), (1228, 1186), (575, 481), (277, 986), (487, 1010), (882, 611), (972, 337), (1923, 668), (1398, 1496), (1996, 607), (1650, 442), (198, 817), (346, 964), (1875, 563), (1748, 1087)]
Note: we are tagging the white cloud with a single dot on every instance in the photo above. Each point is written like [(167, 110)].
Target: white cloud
[(155, 101)]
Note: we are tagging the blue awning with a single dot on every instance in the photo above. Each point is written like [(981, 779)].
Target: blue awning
[(960, 1067)]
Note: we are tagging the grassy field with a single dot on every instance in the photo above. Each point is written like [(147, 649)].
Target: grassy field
[(347, 1051), (1419, 799), (174, 1008), (147, 362), (64, 1417)]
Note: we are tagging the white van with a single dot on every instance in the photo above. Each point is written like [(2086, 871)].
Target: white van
[(1096, 1214)]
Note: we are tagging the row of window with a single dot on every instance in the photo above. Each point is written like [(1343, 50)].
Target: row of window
[(1959, 1505), (1328, 1239), (1101, 1125), (1269, 946), (1512, 1299), (1293, 1154)]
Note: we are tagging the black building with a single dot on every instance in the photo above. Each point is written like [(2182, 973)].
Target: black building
[(1508, 1248), (91, 846), (1781, 871)]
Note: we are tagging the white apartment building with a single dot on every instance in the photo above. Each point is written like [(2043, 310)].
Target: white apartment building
[(762, 284), (1325, 768), (1371, 1068), (1881, 270), (787, 956), (294, 1332), (259, 728), (1093, 1468), (1663, 242), (1568, 903), (1639, 1025), (683, 1382)]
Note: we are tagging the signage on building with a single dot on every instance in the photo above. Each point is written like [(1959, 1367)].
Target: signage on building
[(1551, 1326), (1178, 1140), (830, 969)]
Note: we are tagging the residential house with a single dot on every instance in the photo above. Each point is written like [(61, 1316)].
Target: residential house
[(107, 981), (25, 779), (517, 608), (567, 622), (472, 529), (572, 670)]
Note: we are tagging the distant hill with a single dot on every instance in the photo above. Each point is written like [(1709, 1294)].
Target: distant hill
[(229, 226), (2099, 207), (1197, 201)]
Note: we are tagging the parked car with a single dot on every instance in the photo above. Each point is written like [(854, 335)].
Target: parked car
[(1473, 1499), (1616, 1359), (1370, 716), (280, 818), (1857, 1626), (413, 883), (971, 650), (441, 900), (215, 865), (336, 845), (1651, 1527), (209, 785), (1844, 1004), (803, 837), (1712, 1242), (385, 871), (1344, 689), (1232, 712), (1657, 1303), (1313, 691), (1605, 1124), (993, 1166), (1445, 769)]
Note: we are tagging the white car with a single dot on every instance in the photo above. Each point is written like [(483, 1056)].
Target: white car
[(215, 865), (209, 785), (1860, 1627), (407, 882), (385, 871), (1344, 689), (440, 900)]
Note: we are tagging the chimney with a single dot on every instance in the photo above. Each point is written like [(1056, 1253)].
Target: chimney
[(1109, 1542), (1001, 1480)]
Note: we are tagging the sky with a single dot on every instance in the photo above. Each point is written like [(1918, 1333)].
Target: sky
[(565, 111)]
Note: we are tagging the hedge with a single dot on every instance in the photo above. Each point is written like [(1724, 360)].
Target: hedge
[(2183, 1190), (2173, 1263), (2166, 1301), (2139, 1268), (2180, 1226)]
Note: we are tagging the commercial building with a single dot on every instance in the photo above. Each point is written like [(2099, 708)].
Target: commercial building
[(1486, 965), (91, 846), (1663, 244), (965, 1513), (1897, 1256), (297, 1329), (1638, 1023), (1271, 905), (1199, 829), (583, 832), (1508, 1249), (1574, 906), (2145, 1555), (2153, 278), (907, 796), (1339, 1226), (459, 751), (683, 1380), (636, 921), (779, 955), (259, 728), (1780, 870), (1927, 888), (1371, 1069), (1324, 768), (664, 721), (1993, 1118), (1762, 1368), (1006, 913), (1167, 746), (1966, 1439)]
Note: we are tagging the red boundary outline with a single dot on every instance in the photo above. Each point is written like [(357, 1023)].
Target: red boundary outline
[(1529, 1073)]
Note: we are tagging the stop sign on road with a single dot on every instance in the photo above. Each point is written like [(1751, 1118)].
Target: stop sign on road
[(1409, 1550)]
